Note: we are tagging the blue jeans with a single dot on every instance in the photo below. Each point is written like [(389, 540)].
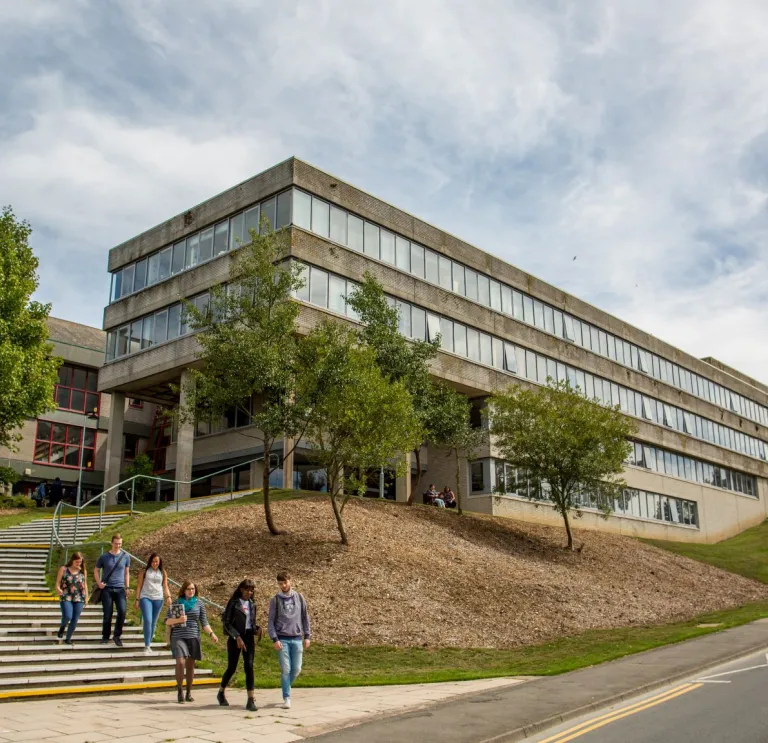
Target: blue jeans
[(109, 598), (70, 614), (150, 612), (290, 658)]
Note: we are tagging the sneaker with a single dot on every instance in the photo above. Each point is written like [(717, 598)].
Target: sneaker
[(118, 642), (70, 643), (148, 651), (250, 705), (286, 703), (60, 633)]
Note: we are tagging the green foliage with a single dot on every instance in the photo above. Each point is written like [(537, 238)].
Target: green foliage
[(399, 359), (8, 476), (558, 437), (363, 419), (16, 501), (450, 422), (141, 468), (249, 348), (27, 371)]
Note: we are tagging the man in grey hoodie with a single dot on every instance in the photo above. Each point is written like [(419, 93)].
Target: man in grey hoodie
[(289, 630)]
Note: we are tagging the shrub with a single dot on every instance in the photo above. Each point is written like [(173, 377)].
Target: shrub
[(16, 501)]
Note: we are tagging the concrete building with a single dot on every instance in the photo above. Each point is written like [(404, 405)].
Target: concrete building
[(698, 469), (57, 443)]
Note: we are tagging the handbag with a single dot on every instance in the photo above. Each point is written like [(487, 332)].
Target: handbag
[(96, 592)]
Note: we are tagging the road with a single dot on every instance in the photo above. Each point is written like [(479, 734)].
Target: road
[(727, 703)]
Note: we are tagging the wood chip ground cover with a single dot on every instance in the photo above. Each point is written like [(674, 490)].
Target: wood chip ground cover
[(425, 577)]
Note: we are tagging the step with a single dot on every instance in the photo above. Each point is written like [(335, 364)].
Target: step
[(42, 622), (48, 611), (9, 653), (18, 633), (66, 690), (76, 653), (95, 677), (125, 665)]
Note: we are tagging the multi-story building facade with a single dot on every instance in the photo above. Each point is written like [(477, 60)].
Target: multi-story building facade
[(698, 467), (73, 436)]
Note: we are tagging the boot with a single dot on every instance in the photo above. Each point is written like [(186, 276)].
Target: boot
[(250, 705), (221, 699), (189, 696), (179, 695)]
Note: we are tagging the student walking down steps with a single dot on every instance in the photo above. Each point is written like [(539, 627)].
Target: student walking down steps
[(289, 631)]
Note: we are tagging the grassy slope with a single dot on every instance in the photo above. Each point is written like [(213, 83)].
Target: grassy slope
[(745, 554), (41, 513), (349, 666)]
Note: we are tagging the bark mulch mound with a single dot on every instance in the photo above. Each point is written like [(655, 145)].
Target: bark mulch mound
[(424, 577)]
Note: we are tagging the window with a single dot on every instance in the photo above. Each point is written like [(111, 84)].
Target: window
[(355, 229), (283, 216), (470, 279), (338, 225), (476, 474), (251, 220), (402, 253), (459, 285), (318, 287), (418, 323), (483, 290), (371, 240), (63, 445), (433, 326), (460, 339), (446, 334), (387, 247), (130, 446), (136, 404), (337, 293), (417, 260), (431, 267), (76, 389), (320, 217), (444, 270), (302, 209)]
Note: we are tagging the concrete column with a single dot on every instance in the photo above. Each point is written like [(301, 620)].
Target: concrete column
[(257, 474), (185, 440), (114, 445), (287, 464), (403, 484)]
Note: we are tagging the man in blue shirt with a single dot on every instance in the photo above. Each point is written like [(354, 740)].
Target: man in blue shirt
[(113, 568)]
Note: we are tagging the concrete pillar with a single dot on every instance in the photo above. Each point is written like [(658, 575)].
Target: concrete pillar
[(114, 446), (185, 440), (257, 473), (403, 484), (288, 464)]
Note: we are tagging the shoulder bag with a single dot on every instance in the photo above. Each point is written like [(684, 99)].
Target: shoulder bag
[(96, 593)]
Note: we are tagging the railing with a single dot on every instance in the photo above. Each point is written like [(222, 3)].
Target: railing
[(123, 487)]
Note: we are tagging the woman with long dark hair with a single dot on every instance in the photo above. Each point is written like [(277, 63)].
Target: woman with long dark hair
[(186, 615), (151, 589), (243, 633), (72, 587)]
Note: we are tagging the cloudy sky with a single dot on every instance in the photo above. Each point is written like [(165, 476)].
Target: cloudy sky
[(631, 135)]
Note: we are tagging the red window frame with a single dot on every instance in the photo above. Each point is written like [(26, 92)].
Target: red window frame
[(77, 389), (59, 445), (136, 404)]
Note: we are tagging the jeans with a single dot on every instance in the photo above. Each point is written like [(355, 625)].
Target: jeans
[(109, 598), (233, 655), (290, 658), (70, 614), (150, 612)]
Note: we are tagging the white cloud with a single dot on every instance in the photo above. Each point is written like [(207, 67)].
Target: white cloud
[(625, 134)]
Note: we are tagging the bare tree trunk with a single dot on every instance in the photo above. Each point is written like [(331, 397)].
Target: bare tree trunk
[(339, 519), (568, 529), (415, 488), (458, 483), (267, 504)]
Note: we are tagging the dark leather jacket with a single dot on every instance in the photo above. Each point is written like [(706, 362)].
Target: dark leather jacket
[(234, 618)]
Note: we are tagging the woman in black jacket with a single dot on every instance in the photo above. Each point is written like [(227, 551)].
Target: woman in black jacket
[(243, 633)]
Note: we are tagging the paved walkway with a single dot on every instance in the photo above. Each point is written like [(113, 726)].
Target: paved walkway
[(152, 718)]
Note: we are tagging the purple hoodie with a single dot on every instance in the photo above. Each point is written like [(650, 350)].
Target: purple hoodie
[(289, 618)]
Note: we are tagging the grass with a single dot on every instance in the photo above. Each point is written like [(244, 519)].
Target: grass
[(745, 554), (332, 665), (31, 514)]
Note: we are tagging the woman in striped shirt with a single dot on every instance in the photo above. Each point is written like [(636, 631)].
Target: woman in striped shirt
[(185, 617)]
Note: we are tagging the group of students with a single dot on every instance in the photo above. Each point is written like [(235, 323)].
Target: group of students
[(288, 624), (442, 499)]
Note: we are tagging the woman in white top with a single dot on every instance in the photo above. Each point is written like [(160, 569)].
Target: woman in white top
[(150, 591)]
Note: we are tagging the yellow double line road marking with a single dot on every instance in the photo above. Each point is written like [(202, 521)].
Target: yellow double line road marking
[(587, 727)]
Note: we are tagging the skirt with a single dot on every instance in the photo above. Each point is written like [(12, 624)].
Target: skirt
[(188, 647)]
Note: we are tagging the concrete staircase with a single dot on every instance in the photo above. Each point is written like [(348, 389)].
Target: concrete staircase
[(71, 530), (33, 663)]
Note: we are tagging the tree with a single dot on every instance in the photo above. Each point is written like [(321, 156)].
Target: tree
[(141, 468), (563, 440), (399, 359), (249, 350), (363, 418), (453, 430), (28, 372)]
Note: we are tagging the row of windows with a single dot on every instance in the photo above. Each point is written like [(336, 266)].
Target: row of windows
[(62, 445), (337, 224), (331, 222), (631, 502), (76, 389), (688, 468), (200, 247), (328, 290)]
